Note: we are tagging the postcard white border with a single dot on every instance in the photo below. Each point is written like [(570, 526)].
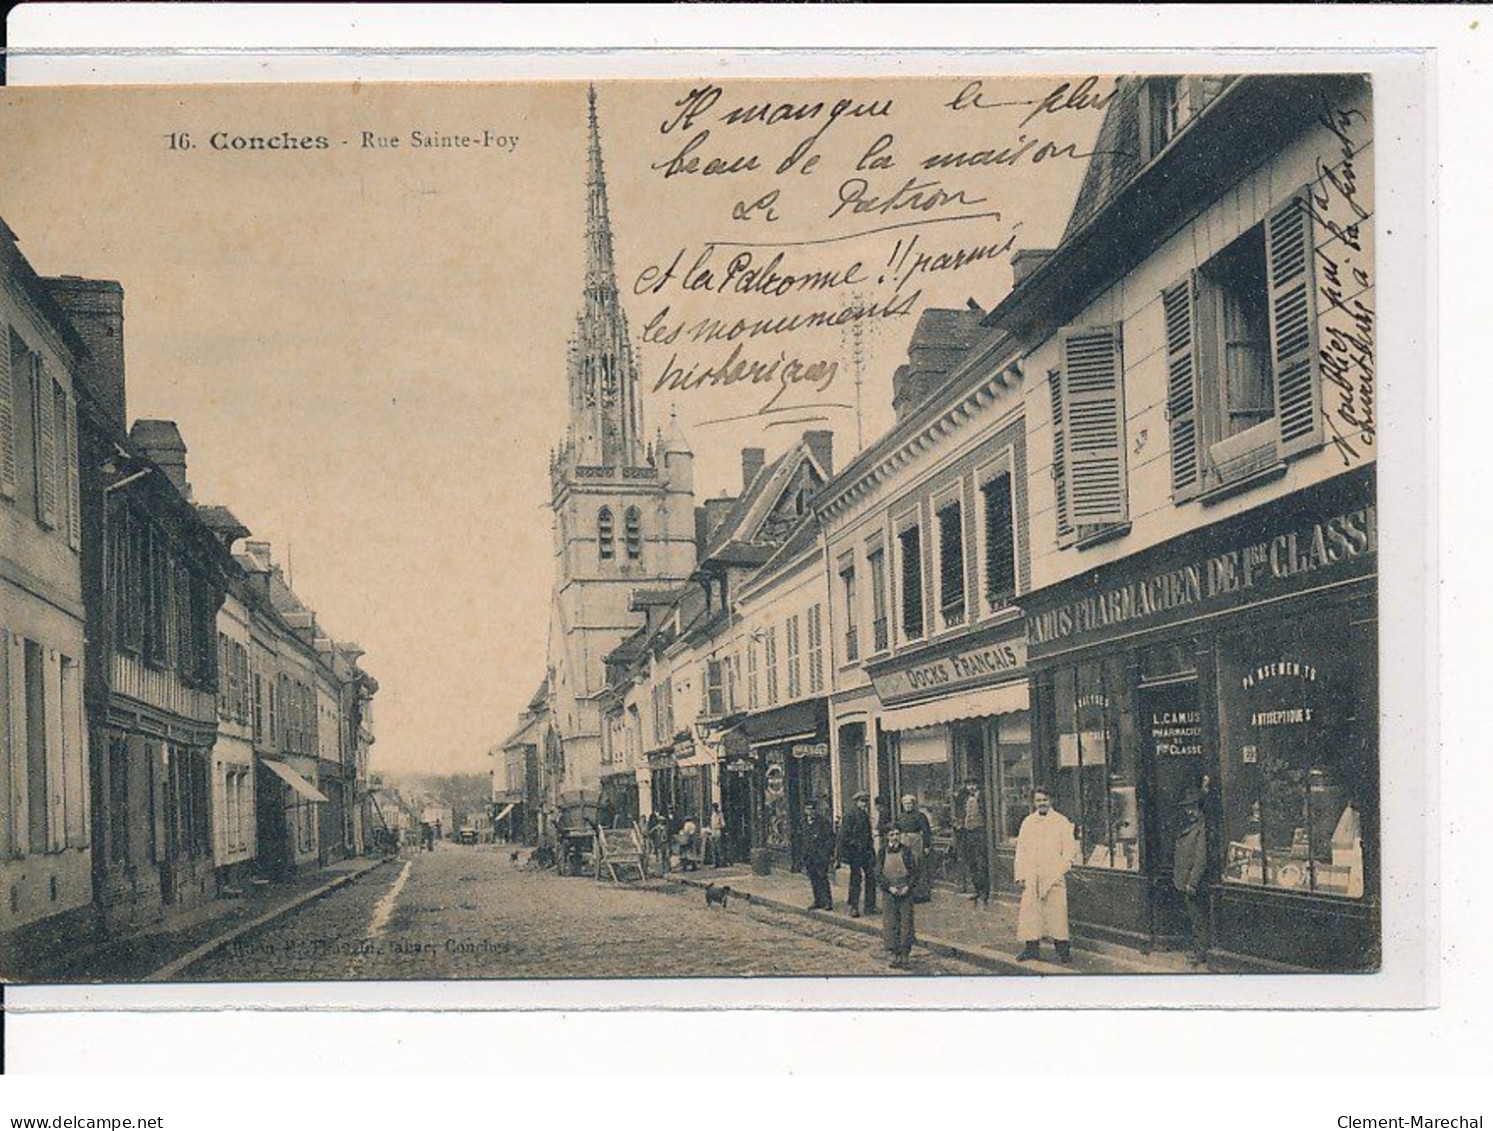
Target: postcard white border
[(1405, 144)]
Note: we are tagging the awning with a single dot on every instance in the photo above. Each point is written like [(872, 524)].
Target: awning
[(505, 811), (970, 705), (293, 779)]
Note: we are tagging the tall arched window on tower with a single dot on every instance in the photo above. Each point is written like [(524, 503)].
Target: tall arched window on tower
[(604, 534), (633, 528)]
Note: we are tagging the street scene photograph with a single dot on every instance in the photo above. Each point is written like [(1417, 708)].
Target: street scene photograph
[(690, 528)]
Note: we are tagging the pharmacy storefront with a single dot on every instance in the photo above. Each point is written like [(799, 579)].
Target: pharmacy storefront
[(953, 713), (1239, 660)]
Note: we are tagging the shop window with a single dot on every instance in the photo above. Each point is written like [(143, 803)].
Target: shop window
[(1242, 383), (925, 772), (1000, 540), (876, 564), (606, 547), (1301, 767), (910, 544), (951, 563), (1014, 781), (1095, 775)]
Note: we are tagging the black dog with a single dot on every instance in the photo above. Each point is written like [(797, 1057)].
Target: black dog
[(513, 857), (717, 894)]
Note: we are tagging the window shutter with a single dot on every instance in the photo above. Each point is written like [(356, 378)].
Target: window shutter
[(46, 445), (1059, 459), (1095, 426), (1293, 326), (7, 418), (56, 762), (1182, 393), (74, 503), (16, 778)]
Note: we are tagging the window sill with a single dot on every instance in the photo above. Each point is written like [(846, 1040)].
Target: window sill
[(1244, 483), (1003, 614), (1104, 534)]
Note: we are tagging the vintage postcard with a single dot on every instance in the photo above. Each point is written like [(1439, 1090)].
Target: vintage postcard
[(706, 527)]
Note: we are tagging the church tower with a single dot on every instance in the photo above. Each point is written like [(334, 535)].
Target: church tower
[(624, 509)]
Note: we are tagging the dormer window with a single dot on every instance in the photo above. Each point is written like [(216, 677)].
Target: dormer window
[(605, 536), (1166, 106)]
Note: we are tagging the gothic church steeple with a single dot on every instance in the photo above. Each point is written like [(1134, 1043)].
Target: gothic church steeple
[(605, 410)]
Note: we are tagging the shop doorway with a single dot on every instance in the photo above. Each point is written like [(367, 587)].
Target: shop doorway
[(854, 770), (1171, 737), (741, 791)]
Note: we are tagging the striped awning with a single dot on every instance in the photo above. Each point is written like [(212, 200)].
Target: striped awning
[(294, 780), (970, 705)]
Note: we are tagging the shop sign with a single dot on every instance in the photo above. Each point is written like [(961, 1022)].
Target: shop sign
[(1236, 574), (810, 750), (987, 663), (739, 765), (1176, 734)]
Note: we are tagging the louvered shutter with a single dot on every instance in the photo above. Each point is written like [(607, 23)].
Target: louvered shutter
[(7, 418), (17, 776), (46, 444), (56, 765), (74, 502), (1293, 326), (1059, 460), (1182, 393), (1095, 426)]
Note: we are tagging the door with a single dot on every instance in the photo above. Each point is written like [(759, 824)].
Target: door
[(1171, 739)]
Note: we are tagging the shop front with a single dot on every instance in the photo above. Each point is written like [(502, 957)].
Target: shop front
[(957, 713), (789, 765), (1239, 661)]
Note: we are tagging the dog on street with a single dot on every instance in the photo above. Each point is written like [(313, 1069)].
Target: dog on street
[(717, 895)]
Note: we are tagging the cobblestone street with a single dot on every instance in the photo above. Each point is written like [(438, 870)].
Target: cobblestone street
[(466, 912)]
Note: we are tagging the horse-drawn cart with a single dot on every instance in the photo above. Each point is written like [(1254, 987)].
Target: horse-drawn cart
[(575, 834)]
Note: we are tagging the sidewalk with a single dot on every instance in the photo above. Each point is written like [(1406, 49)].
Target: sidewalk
[(161, 950), (950, 925)]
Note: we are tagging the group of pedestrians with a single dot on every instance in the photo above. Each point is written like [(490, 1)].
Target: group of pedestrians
[(693, 845), (889, 858)]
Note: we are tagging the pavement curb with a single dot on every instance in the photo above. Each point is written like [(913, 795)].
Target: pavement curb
[(975, 955), (169, 971)]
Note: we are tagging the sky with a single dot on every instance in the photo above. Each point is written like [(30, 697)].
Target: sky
[(364, 342)]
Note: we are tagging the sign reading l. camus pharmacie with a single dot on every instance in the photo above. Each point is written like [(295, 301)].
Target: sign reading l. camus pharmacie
[(1239, 565)]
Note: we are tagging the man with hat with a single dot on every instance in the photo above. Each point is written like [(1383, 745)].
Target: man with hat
[(819, 855), (856, 848), (1189, 864)]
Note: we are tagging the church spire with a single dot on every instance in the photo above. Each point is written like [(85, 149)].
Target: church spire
[(605, 407), (601, 272)]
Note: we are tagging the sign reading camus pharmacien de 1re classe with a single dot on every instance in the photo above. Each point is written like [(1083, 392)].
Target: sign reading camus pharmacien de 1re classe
[(540, 530)]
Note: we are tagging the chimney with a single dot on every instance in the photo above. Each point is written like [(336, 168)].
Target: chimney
[(752, 460), (822, 444), (1024, 262), (162, 444), (939, 343), (715, 511), (95, 307)]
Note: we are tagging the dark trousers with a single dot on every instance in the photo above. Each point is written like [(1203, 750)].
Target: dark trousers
[(976, 855), (819, 881), (862, 872), (897, 930), (1197, 918)]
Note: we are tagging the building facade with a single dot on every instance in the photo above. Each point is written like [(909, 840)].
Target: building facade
[(46, 834)]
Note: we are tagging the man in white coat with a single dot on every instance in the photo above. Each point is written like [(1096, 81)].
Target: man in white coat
[(1045, 849)]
